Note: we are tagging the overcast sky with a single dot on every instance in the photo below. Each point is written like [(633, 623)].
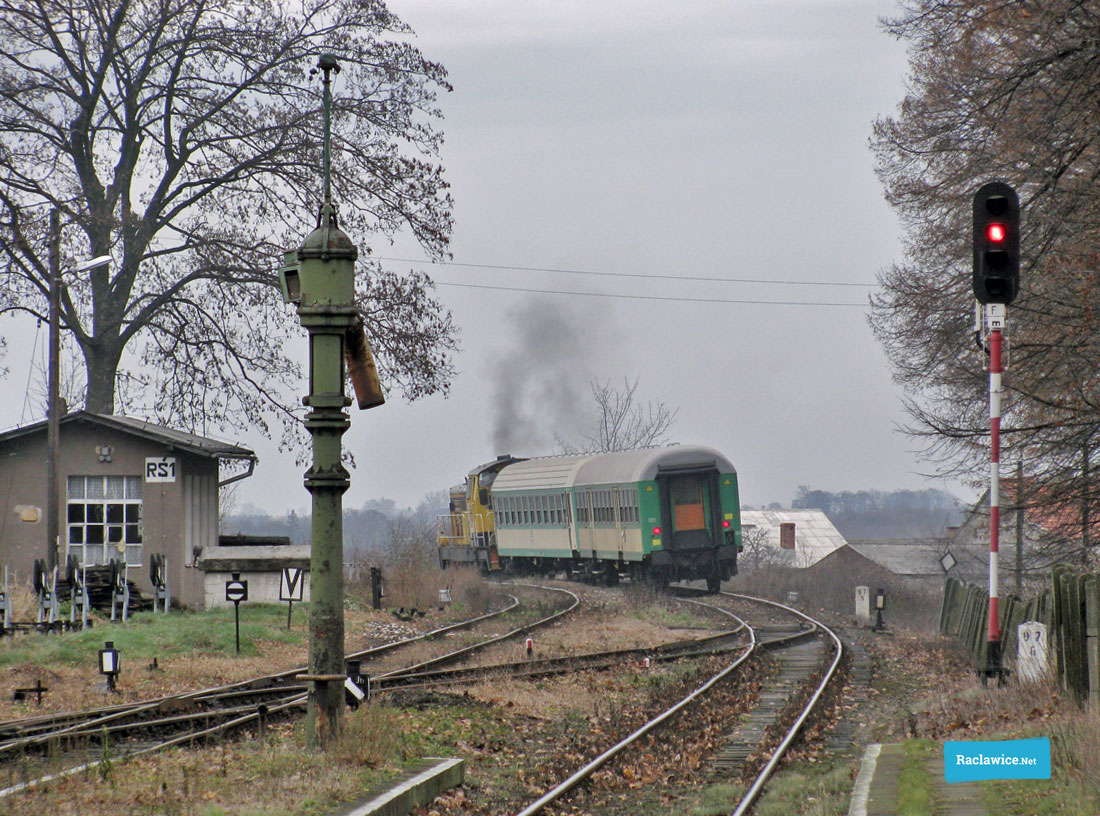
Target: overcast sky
[(723, 139)]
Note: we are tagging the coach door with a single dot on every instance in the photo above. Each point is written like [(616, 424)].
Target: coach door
[(689, 499), (572, 527), (617, 513)]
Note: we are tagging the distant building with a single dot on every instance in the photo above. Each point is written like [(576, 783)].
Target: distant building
[(793, 538), (1052, 529), (129, 489)]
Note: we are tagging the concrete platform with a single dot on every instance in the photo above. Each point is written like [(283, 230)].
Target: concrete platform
[(423, 784), (875, 792)]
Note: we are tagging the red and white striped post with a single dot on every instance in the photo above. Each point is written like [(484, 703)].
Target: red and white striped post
[(995, 319)]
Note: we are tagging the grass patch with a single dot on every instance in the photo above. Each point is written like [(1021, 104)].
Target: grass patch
[(807, 789), (279, 776), (915, 792), (718, 800), (146, 635), (1074, 786)]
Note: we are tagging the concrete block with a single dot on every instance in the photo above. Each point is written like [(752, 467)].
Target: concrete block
[(863, 605), (421, 787), (1031, 651)]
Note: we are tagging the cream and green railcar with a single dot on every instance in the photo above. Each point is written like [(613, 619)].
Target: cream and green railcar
[(669, 513)]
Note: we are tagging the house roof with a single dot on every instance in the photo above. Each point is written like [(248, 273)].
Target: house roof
[(904, 556), (192, 443), (814, 535)]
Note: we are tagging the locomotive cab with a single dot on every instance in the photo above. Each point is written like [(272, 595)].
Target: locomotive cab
[(467, 533)]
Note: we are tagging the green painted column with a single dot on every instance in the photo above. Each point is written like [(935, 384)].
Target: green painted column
[(321, 280)]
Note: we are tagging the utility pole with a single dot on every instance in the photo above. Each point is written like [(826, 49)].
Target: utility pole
[(53, 419)]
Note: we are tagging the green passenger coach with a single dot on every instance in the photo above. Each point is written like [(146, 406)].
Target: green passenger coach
[(669, 513)]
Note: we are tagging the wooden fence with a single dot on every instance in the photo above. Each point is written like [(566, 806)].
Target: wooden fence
[(1070, 610)]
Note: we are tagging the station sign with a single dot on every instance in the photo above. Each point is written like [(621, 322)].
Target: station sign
[(160, 469)]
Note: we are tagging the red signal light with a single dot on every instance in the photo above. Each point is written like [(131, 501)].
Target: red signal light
[(726, 524), (656, 531), (995, 233)]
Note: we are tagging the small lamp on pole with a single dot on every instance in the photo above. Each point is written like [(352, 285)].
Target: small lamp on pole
[(880, 604), (109, 664)]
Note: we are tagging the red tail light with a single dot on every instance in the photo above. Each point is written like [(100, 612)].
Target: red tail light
[(656, 531), (726, 524)]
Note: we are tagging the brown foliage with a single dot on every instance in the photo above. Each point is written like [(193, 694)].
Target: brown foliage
[(999, 91)]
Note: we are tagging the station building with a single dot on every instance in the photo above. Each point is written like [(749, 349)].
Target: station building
[(128, 489)]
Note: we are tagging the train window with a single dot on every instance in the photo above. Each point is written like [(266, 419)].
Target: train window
[(540, 509)]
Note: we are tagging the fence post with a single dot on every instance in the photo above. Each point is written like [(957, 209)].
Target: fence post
[(1055, 633), (947, 608), (1092, 639)]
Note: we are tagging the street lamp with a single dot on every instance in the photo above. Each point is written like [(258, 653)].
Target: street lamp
[(53, 414)]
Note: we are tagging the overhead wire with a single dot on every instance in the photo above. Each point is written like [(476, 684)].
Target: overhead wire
[(641, 275), (619, 296), (715, 279)]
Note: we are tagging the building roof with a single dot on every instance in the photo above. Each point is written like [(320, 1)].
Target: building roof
[(621, 467), (904, 556), (192, 443), (814, 535)]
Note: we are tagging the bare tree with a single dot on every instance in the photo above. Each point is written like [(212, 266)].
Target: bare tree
[(758, 555), (622, 423), (182, 139), (999, 91)]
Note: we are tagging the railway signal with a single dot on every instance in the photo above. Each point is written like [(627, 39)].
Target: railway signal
[(236, 591), (996, 244), (109, 664), (996, 284)]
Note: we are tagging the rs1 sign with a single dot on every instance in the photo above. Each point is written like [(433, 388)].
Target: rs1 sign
[(160, 469)]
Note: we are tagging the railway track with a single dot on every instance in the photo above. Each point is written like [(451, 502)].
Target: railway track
[(795, 650), (143, 727), (798, 651)]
